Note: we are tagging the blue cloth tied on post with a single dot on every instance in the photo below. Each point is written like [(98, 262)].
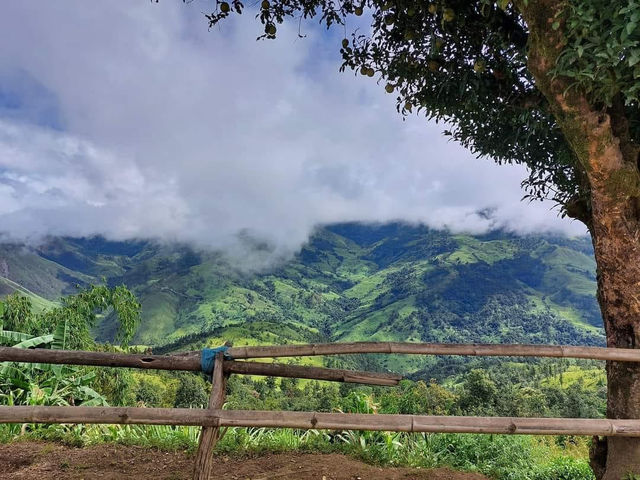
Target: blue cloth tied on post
[(208, 358)]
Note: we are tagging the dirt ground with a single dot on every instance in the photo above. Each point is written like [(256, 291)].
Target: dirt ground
[(42, 461)]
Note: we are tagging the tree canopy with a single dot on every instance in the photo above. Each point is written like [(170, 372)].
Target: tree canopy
[(551, 84), (465, 63)]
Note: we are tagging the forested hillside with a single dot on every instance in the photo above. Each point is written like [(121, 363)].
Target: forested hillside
[(350, 282)]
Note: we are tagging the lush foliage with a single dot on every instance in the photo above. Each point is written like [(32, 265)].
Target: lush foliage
[(524, 389), (506, 389), (63, 327), (511, 389), (76, 315), (350, 282), (501, 457), (36, 384), (464, 62), (602, 55)]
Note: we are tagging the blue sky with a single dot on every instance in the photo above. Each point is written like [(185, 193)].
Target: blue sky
[(24, 99), (133, 120)]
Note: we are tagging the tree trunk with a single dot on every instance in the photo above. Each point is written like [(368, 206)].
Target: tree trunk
[(599, 136), (617, 248), (614, 184)]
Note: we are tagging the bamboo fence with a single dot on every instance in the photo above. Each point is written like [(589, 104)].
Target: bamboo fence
[(191, 360), (215, 420), (313, 420), (470, 349)]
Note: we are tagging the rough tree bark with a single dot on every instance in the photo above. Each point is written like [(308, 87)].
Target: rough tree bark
[(599, 136)]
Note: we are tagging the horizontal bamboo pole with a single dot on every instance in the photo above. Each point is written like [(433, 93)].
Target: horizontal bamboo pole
[(321, 421), (191, 362), (474, 349), (315, 373)]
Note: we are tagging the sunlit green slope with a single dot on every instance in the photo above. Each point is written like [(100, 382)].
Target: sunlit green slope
[(349, 282)]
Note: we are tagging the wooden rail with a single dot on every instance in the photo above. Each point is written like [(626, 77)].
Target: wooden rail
[(315, 373), (313, 420), (213, 418), (191, 362), (472, 349)]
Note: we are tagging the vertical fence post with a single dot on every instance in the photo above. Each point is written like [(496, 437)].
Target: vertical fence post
[(209, 436)]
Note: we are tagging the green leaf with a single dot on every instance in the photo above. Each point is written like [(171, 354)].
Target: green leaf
[(35, 341), (60, 336), (11, 337), (14, 375)]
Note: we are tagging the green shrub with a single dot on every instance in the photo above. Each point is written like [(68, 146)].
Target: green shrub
[(565, 468), (192, 392), (154, 390)]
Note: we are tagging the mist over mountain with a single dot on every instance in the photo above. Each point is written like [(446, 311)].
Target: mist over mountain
[(350, 282), (151, 139)]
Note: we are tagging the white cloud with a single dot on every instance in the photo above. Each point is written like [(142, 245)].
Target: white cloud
[(163, 129)]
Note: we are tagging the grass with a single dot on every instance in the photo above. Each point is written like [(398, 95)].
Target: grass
[(543, 304), (159, 310), (590, 378), (370, 324), (500, 457), (366, 289), (472, 250), (570, 269), (39, 303)]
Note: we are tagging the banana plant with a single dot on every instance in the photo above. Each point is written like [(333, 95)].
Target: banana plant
[(64, 327), (9, 337), (40, 384)]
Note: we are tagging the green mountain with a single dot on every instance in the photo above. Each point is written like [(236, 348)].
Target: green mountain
[(349, 282)]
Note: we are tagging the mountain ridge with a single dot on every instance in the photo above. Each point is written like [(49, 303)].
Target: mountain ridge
[(349, 282)]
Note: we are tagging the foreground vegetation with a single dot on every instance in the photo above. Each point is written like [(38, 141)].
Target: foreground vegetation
[(497, 456), (532, 388)]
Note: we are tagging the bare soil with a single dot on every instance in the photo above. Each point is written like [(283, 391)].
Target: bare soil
[(42, 461)]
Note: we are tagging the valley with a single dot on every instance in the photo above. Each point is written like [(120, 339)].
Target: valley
[(350, 282)]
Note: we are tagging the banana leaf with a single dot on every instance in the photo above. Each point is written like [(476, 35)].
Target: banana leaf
[(35, 341)]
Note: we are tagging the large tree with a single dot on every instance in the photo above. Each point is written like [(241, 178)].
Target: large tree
[(552, 84)]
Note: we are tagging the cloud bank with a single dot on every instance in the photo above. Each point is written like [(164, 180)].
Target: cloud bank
[(132, 120)]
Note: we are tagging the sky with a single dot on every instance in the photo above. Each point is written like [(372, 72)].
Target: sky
[(131, 119)]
